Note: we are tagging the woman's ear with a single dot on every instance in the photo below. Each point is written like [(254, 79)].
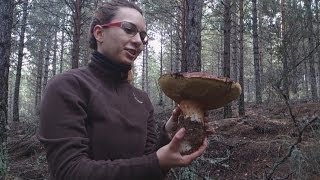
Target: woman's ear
[(98, 33)]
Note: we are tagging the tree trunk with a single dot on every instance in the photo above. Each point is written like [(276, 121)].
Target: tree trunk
[(62, 46), (313, 81), (161, 67), (226, 57), (178, 50), (306, 73), (54, 59), (143, 70), (147, 70), (284, 49), (241, 44), (76, 8), (184, 14), (261, 48), (318, 40), (76, 35), (6, 21), (293, 50), (171, 48), (294, 76), (235, 41), (46, 64), (220, 55), (19, 65), (39, 74), (256, 52), (213, 53), (193, 45), (248, 90)]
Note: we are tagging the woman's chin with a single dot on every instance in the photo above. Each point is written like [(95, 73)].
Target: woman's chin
[(127, 61)]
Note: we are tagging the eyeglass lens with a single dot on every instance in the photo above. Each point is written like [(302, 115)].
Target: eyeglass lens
[(132, 29)]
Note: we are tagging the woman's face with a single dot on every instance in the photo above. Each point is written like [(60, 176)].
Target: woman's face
[(117, 44)]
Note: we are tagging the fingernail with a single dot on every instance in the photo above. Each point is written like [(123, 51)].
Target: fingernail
[(181, 132), (174, 110)]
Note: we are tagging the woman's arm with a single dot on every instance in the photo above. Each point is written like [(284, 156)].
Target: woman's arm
[(64, 135)]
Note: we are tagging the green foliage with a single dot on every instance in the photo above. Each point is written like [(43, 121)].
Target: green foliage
[(3, 161), (186, 173), (305, 161), (197, 170), (297, 161)]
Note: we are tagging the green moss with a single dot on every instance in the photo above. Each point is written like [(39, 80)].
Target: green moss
[(3, 161)]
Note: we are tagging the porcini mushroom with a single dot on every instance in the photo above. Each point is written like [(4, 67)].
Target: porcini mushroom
[(196, 93)]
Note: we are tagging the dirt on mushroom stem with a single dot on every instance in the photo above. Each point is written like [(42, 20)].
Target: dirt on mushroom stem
[(195, 133), (192, 119)]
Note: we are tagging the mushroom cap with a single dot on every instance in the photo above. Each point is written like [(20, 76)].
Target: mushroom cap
[(208, 90)]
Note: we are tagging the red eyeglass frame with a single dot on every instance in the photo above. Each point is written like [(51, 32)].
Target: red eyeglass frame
[(143, 36)]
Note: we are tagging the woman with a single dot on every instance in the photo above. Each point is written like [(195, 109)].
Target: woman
[(94, 124)]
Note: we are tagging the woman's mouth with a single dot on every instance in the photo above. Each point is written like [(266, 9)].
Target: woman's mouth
[(131, 52)]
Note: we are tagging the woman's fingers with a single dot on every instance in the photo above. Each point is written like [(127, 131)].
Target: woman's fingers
[(176, 113), (174, 145), (187, 159), (170, 156), (209, 130)]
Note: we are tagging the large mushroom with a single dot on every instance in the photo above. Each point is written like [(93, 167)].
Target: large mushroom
[(196, 93)]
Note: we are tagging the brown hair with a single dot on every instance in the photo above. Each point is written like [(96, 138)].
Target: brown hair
[(105, 13)]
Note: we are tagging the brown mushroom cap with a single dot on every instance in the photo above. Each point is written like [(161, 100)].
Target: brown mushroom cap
[(208, 90)]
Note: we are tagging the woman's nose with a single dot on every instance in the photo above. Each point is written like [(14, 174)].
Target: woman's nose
[(136, 39)]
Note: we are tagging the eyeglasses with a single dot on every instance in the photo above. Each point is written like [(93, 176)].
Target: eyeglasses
[(130, 29)]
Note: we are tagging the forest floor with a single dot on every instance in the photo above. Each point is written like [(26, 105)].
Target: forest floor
[(265, 144)]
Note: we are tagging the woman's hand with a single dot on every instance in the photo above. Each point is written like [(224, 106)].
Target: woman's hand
[(172, 124), (169, 155)]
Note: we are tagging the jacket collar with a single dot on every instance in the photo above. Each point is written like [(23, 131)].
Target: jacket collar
[(108, 67)]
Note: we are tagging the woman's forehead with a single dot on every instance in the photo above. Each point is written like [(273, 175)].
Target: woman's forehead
[(130, 15)]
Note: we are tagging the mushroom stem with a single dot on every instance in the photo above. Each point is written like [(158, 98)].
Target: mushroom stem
[(192, 119), (193, 110)]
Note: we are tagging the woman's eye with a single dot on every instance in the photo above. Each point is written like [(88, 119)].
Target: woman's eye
[(129, 30)]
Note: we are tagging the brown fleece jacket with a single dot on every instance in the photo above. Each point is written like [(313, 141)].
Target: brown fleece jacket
[(97, 127)]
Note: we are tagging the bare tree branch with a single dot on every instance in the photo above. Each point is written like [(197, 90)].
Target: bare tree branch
[(300, 128)]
